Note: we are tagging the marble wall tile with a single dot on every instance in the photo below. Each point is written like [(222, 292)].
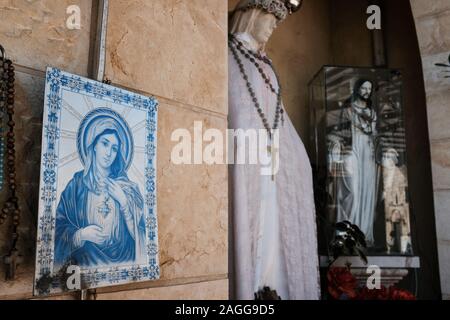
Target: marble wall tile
[(192, 204), (426, 7), (444, 258), (35, 34), (440, 158), (169, 48), (433, 33), (438, 109), (176, 50), (442, 208)]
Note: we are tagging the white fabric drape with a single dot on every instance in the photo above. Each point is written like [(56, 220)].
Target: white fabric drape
[(275, 239)]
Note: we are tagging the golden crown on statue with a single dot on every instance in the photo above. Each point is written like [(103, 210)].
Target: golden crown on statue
[(279, 8)]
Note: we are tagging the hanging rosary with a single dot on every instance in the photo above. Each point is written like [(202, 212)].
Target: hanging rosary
[(248, 54), (279, 112), (11, 206)]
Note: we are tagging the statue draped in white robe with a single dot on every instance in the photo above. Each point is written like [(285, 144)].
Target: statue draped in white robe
[(274, 222)]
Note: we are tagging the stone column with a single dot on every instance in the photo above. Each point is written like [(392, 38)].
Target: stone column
[(433, 29)]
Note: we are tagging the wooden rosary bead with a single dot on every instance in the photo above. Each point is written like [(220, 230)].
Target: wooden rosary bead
[(7, 101), (249, 55)]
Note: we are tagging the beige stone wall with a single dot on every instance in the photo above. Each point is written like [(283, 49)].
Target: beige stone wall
[(35, 36), (433, 29), (174, 50), (299, 47)]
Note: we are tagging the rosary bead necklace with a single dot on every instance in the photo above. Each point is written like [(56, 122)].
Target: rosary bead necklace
[(236, 45), (11, 206)]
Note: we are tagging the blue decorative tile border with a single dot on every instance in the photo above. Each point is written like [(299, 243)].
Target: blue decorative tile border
[(47, 280)]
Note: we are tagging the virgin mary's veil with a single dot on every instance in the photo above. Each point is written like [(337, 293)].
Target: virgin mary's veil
[(244, 21), (98, 127)]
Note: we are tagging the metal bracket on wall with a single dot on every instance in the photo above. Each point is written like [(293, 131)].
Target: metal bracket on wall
[(98, 73), (99, 54)]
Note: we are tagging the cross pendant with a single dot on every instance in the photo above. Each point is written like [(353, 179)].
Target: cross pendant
[(11, 263), (271, 149), (104, 209)]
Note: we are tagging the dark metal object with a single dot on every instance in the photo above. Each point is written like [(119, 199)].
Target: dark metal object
[(267, 294)]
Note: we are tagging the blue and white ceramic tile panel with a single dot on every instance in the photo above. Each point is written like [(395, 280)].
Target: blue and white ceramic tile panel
[(70, 103)]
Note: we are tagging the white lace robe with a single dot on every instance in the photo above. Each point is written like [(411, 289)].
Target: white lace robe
[(274, 226)]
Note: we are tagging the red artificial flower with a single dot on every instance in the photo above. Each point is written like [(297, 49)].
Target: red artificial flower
[(400, 294), (373, 294), (341, 282)]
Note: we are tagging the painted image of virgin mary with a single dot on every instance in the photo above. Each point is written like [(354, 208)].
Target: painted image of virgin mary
[(99, 218)]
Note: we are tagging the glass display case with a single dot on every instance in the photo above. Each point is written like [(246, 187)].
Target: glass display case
[(359, 157)]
